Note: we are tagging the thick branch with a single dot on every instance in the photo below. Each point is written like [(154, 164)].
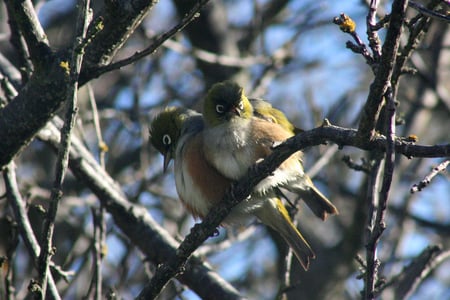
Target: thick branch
[(29, 26), (35, 104), (119, 20), (349, 137)]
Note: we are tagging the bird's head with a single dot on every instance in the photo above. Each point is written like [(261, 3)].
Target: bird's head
[(224, 101), (165, 131)]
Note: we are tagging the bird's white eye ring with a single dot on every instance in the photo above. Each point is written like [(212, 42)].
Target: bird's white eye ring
[(220, 108), (241, 105), (166, 139)]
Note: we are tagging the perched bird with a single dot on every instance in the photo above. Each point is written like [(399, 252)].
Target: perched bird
[(264, 110), (237, 139), (178, 134)]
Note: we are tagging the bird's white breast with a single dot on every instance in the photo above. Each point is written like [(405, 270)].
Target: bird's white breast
[(227, 149)]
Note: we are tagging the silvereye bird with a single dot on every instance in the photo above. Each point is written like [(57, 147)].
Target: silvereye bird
[(178, 134), (264, 110), (237, 139)]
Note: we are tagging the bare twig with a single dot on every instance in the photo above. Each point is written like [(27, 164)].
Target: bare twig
[(98, 216), (372, 28), (224, 60), (158, 41), (323, 161), (95, 288), (347, 25), (378, 205), (428, 12), (417, 26), (63, 154), (372, 263), (207, 249), (427, 180), (374, 103), (31, 29), (286, 281), (26, 232), (415, 273), (102, 147)]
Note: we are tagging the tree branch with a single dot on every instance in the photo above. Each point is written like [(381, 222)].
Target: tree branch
[(26, 232), (427, 180), (119, 20), (413, 274), (378, 205), (63, 153), (31, 29), (157, 42), (375, 101)]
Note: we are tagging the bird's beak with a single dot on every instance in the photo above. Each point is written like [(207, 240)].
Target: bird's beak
[(167, 159), (236, 110)]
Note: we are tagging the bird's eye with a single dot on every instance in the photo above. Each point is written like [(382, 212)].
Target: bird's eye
[(220, 108), (241, 105), (166, 140)]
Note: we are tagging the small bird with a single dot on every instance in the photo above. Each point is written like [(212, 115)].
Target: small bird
[(177, 133), (264, 110), (237, 139)]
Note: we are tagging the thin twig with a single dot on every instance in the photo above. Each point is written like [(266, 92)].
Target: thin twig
[(412, 275), (428, 12), (158, 41), (224, 60), (427, 180), (102, 147), (372, 263), (378, 208), (347, 25), (417, 26), (74, 68), (372, 33), (323, 161), (95, 288), (25, 230), (98, 216), (286, 283), (374, 103)]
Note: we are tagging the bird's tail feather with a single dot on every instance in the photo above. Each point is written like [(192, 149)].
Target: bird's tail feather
[(316, 201), (274, 214)]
